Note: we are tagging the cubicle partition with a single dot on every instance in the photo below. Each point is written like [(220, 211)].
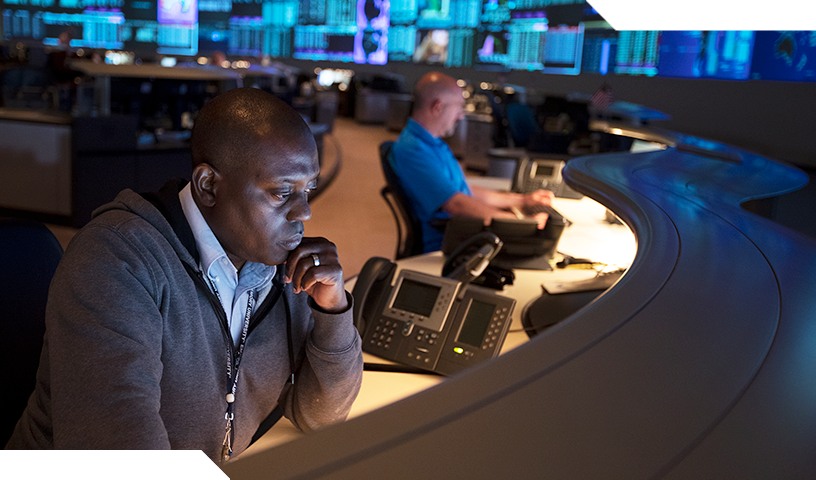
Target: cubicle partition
[(698, 363), (35, 164), (129, 128)]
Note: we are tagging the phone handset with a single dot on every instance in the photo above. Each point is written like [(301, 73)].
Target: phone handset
[(373, 283), (472, 257), (471, 268)]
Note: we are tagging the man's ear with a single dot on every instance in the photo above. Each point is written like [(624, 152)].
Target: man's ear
[(437, 106), (205, 183)]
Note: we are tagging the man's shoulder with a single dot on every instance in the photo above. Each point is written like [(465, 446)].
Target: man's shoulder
[(414, 132), (129, 229), (406, 140), (129, 212), (133, 215), (115, 230), (415, 144)]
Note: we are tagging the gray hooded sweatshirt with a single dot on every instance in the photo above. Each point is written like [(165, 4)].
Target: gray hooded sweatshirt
[(135, 356)]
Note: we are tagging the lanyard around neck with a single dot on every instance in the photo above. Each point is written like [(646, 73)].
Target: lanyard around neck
[(199, 278), (233, 371)]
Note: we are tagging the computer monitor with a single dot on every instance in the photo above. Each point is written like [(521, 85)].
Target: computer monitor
[(563, 46), (401, 43), (371, 39), (465, 13), (433, 14), (431, 47), (177, 12), (342, 31), (177, 27), (403, 12), (491, 37), (491, 49), (140, 32), (323, 42), (527, 29), (567, 12), (279, 18), (701, 54), (245, 35), (600, 50), (460, 47), (443, 33), (637, 52), (84, 27), (789, 56)]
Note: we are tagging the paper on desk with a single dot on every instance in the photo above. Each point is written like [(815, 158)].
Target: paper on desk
[(602, 281)]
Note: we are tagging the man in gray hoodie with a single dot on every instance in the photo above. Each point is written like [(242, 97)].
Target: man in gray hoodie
[(181, 319)]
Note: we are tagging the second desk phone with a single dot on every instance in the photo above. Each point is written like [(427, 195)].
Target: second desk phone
[(434, 323), (534, 173)]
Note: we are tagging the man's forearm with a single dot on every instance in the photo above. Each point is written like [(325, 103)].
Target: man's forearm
[(461, 205), (496, 199), (330, 378)]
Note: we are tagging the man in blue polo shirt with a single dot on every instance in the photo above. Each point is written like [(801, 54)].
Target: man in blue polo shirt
[(431, 175)]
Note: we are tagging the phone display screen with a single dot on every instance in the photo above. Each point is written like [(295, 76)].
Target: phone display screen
[(416, 297), (545, 171), (476, 323)]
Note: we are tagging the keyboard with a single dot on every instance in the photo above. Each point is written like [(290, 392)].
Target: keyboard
[(553, 214)]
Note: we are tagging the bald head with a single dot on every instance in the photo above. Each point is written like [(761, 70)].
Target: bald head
[(254, 164), (235, 126), (432, 87), (438, 103)]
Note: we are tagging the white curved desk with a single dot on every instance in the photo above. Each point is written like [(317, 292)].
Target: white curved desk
[(698, 363), (590, 236)]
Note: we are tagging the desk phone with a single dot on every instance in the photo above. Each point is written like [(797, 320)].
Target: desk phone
[(434, 323), (535, 173)]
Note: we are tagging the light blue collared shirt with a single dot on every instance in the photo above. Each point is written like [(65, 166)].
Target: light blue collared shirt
[(233, 288)]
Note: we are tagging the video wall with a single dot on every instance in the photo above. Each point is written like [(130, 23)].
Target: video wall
[(565, 37), (536, 35)]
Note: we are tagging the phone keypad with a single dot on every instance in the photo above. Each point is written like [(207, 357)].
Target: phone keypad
[(383, 334), (427, 336), (425, 340), (422, 345), (495, 328)]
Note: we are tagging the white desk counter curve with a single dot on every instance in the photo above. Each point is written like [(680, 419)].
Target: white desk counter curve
[(590, 236)]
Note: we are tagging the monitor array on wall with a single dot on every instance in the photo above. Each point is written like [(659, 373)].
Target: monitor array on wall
[(551, 36)]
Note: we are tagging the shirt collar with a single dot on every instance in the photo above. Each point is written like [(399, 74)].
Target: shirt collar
[(421, 132), (212, 255)]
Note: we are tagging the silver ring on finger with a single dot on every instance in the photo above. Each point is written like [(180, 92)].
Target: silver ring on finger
[(316, 260)]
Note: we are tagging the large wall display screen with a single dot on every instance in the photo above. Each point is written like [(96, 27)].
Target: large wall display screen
[(566, 37), (787, 56), (725, 55)]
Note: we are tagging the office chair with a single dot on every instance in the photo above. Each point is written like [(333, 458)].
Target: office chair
[(521, 123), (29, 254), (564, 126), (409, 228)]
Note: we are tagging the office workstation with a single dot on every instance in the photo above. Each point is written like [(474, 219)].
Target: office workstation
[(590, 235), (681, 370), (693, 360)]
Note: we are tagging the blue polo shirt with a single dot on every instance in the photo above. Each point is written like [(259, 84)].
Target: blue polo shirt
[(429, 174)]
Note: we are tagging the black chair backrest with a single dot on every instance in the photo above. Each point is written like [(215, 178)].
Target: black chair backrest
[(522, 123), (405, 235), (29, 254), (410, 240)]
